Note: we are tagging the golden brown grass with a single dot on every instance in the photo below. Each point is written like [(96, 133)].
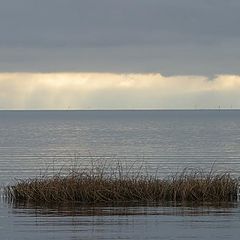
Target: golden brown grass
[(83, 187)]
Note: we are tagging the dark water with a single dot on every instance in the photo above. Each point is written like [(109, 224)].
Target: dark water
[(166, 141), (146, 222)]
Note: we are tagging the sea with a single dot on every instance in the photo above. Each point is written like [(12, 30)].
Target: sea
[(152, 142)]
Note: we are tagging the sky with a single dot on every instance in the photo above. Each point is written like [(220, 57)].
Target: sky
[(111, 54)]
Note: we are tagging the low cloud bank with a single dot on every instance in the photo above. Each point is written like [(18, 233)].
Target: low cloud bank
[(116, 91)]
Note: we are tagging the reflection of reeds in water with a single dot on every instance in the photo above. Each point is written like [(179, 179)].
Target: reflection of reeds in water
[(125, 209), (91, 187)]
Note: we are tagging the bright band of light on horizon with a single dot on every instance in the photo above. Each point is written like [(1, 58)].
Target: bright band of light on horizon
[(117, 91)]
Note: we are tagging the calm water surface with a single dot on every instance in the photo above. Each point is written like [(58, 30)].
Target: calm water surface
[(167, 141)]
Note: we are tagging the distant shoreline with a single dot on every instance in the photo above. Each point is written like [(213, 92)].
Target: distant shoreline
[(122, 110)]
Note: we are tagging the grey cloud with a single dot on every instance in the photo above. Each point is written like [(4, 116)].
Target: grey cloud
[(167, 36)]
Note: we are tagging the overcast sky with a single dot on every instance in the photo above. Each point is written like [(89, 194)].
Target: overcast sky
[(173, 38)]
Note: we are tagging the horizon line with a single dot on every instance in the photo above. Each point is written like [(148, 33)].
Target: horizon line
[(131, 109)]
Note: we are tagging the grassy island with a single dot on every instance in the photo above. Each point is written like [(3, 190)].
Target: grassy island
[(92, 188)]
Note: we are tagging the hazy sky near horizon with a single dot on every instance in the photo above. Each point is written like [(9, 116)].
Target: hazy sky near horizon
[(160, 43), (116, 91)]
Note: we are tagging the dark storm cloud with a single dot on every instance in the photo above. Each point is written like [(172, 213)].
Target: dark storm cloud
[(167, 36)]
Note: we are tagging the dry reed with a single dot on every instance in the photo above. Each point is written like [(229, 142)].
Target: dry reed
[(88, 187)]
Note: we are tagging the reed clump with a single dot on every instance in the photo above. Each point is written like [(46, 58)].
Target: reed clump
[(89, 188)]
